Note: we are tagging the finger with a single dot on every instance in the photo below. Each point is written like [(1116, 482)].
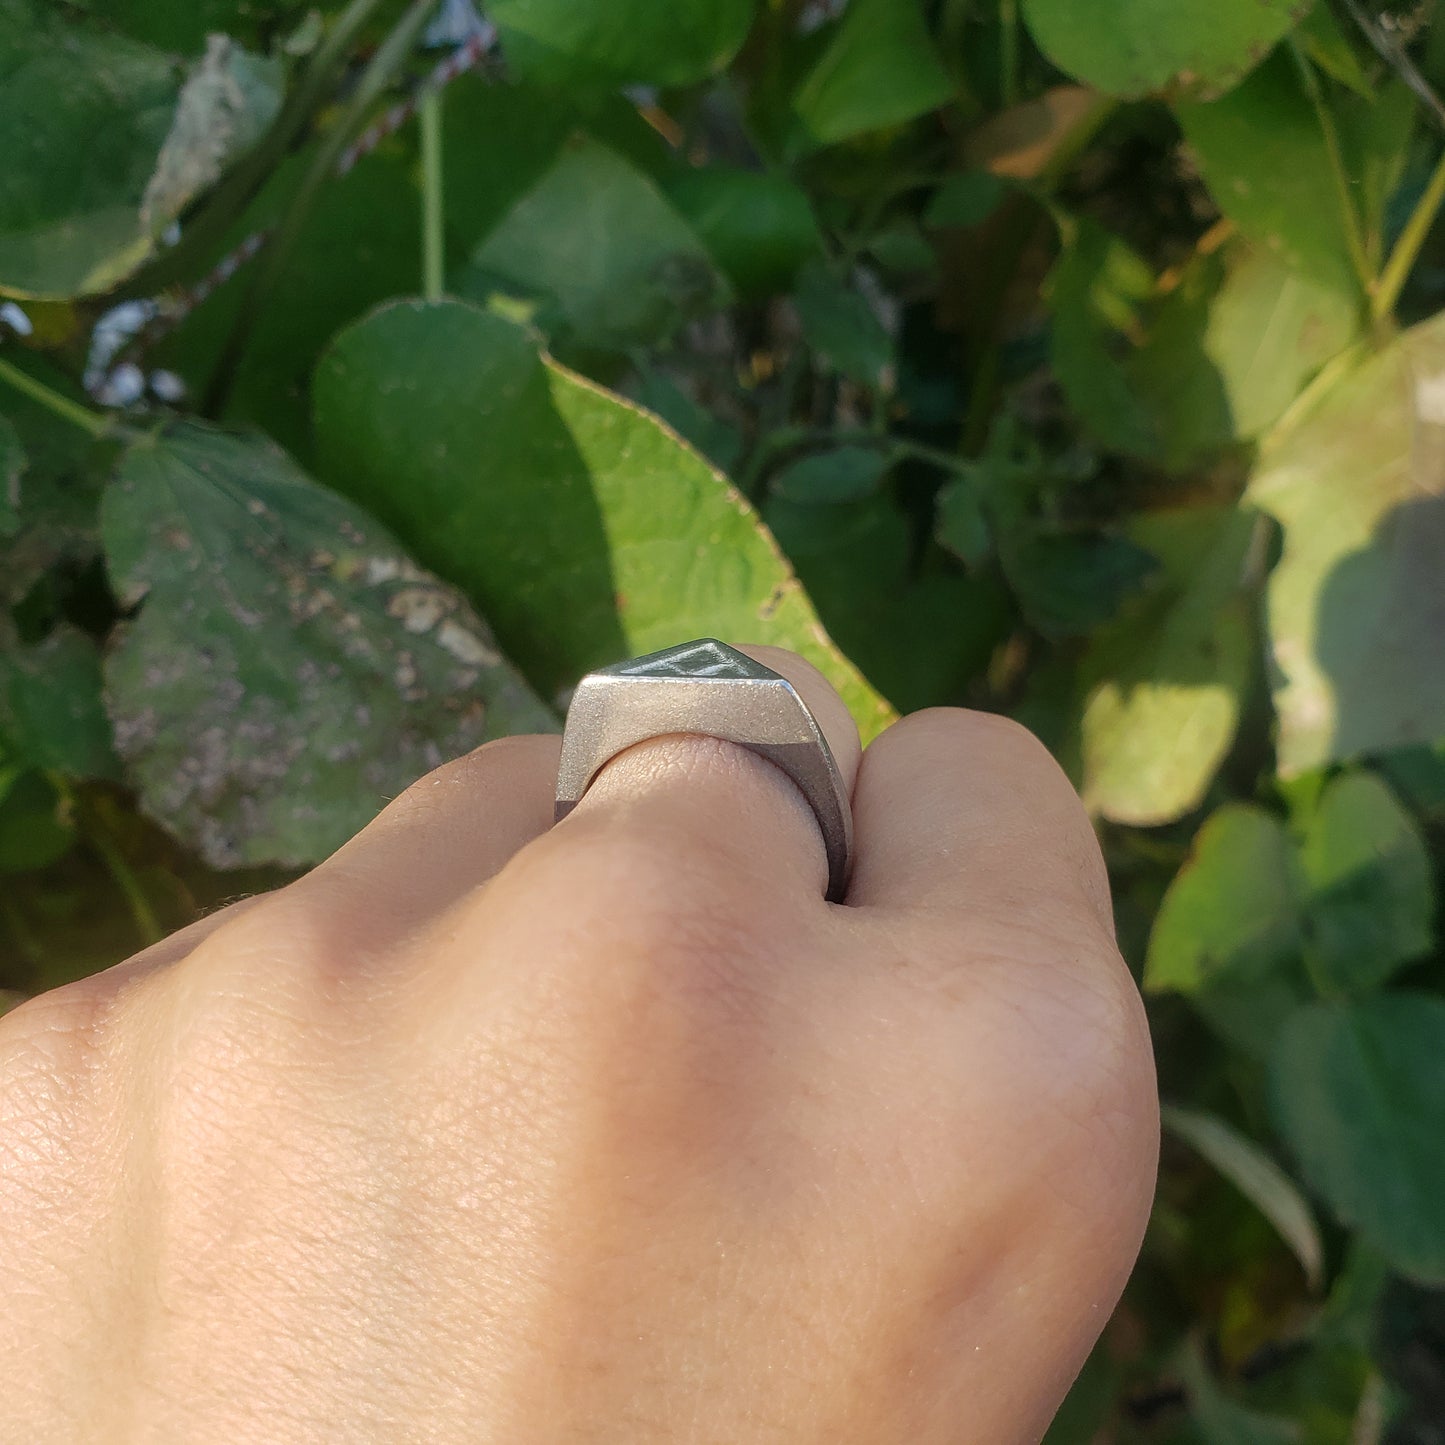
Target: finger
[(446, 835), (722, 805), (966, 811)]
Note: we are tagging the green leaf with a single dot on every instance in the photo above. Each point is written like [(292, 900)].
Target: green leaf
[(369, 216), (587, 531), (1266, 160), (1096, 292), (1162, 684), (109, 145), (1356, 613), (12, 471), (1132, 47), (759, 228), (181, 26), (85, 115), (597, 244), (962, 526), (290, 668), (720, 441), (856, 560), (58, 488), (843, 328), (1216, 360), (1233, 346), (1372, 905), (624, 42), (499, 140), (1418, 775), (1256, 1175), (227, 102), (1090, 1403), (51, 713), (1219, 1420), (1070, 582), (878, 69), (35, 826), (1229, 933), (966, 200), (1375, 134), (1328, 46), (1358, 1095), (844, 474)]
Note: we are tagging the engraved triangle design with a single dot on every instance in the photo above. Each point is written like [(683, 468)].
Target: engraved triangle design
[(705, 658)]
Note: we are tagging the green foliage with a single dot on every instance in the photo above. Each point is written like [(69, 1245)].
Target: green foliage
[(289, 663), (1358, 1094), (1356, 613), (1075, 359), (1138, 46)]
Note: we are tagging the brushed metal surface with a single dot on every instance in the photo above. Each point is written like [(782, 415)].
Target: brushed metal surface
[(710, 688)]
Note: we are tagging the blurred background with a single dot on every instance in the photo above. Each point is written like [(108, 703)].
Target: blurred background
[(369, 371)]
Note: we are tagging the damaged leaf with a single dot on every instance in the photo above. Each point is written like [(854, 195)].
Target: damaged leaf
[(228, 100), (104, 145), (290, 669)]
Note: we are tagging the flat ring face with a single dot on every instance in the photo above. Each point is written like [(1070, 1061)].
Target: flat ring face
[(710, 688)]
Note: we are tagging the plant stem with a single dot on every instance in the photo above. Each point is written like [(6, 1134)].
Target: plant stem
[(433, 198), (1008, 24), (94, 422), (1395, 56), (385, 64), (1407, 249)]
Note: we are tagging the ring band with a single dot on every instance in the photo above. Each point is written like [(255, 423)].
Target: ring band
[(710, 688)]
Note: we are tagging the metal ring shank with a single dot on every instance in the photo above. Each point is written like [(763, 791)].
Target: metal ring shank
[(611, 711)]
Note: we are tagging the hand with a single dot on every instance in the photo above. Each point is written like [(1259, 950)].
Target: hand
[(614, 1131)]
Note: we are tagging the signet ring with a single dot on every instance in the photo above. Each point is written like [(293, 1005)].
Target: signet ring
[(710, 688)]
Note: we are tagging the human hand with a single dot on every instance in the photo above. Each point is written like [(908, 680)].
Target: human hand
[(615, 1131)]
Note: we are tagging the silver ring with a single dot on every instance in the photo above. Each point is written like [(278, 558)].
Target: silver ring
[(710, 688)]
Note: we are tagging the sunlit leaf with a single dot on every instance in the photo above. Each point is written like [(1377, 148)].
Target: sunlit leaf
[(1229, 934), (1356, 612), (1266, 159), (1163, 683), (586, 530)]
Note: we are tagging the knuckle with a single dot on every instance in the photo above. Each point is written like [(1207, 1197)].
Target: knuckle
[(956, 730), (1011, 751), (630, 877), (643, 919), (55, 1053)]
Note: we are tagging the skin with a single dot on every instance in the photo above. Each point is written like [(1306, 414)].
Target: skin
[(487, 1130)]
